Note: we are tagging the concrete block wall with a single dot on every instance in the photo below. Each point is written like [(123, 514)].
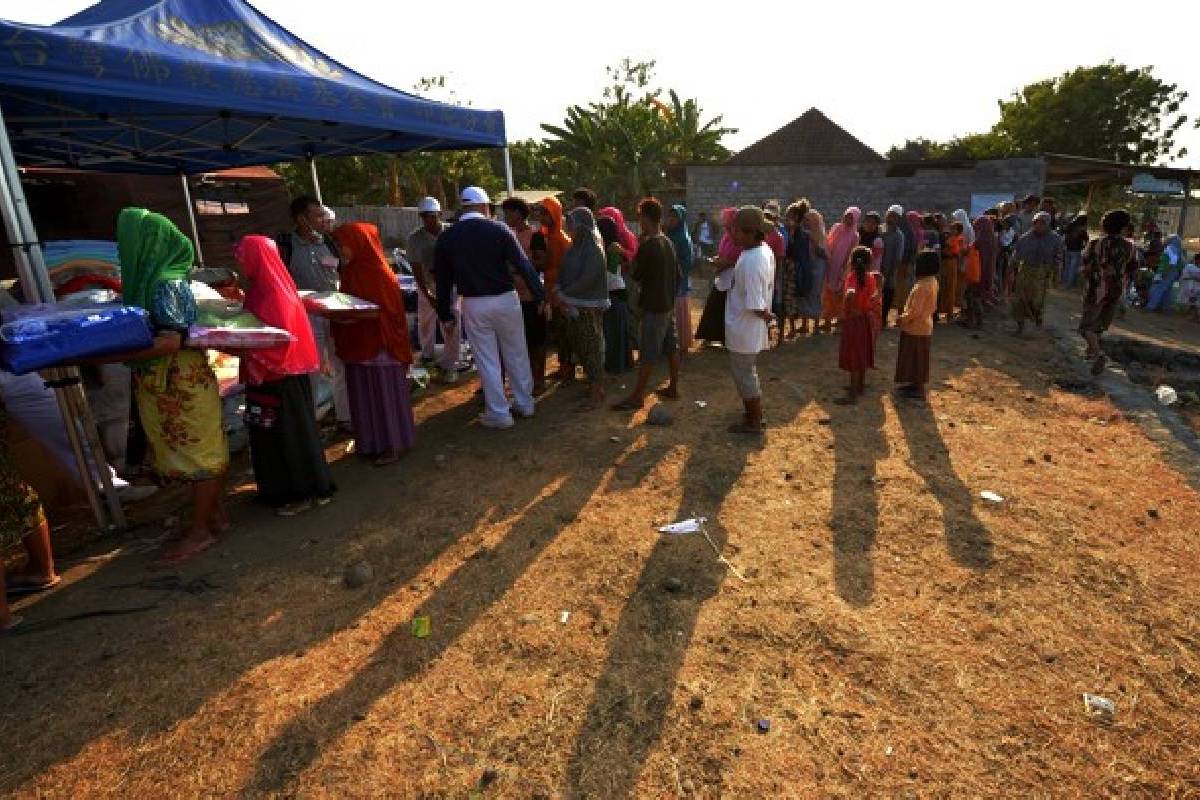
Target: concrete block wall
[(831, 189)]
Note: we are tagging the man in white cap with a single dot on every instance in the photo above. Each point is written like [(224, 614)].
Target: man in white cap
[(476, 256), (420, 254)]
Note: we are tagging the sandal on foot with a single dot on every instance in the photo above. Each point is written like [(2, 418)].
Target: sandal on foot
[(667, 394), (294, 509), (384, 461), (846, 400), (17, 587), (747, 428), (184, 554), (628, 405)]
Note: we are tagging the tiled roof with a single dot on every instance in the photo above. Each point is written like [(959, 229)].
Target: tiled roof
[(811, 138)]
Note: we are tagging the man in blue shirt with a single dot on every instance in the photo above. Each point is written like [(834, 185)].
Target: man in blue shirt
[(474, 257)]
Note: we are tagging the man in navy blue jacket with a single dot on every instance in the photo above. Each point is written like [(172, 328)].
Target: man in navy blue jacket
[(476, 256)]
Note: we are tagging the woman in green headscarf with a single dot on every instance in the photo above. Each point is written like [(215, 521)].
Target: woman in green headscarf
[(175, 389), (677, 230)]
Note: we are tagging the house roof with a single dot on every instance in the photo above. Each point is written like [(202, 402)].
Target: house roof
[(811, 138)]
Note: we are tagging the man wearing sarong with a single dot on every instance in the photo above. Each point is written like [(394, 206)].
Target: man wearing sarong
[(1038, 257)]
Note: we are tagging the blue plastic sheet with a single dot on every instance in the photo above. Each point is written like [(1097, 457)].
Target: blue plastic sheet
[(52, 335)]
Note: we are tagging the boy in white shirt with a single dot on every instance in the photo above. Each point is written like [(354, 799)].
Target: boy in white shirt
[(748, 313)]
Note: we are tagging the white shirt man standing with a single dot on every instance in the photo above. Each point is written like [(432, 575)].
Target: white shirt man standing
[(421, 245), (748, 313)]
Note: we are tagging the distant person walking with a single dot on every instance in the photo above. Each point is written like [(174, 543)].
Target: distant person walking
[(1037, 258), (1106, 266)]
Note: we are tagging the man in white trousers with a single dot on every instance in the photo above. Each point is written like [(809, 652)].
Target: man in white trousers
[(474, 256), (420, 254)]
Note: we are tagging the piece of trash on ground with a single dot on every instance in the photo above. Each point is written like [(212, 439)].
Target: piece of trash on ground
[(991, 496), (1166, 395), (422, 627), (684, 526), (702, 404), (764, 726), (1098, 706), (563, 616)]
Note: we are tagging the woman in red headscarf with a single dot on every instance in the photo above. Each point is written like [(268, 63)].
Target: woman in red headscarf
[(285, 444), (376, 351)]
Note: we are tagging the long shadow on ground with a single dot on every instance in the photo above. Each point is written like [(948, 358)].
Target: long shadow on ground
[(629, 706), (147, 677), (967, 538), (859, 443), (454, 607)]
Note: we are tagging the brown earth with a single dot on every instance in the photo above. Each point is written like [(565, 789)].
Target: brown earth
[(902, 636)]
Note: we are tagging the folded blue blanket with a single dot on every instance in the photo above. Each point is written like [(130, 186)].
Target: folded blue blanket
[(53, 335)]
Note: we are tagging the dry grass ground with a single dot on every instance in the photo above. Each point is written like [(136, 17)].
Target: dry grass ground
[(902, 636)]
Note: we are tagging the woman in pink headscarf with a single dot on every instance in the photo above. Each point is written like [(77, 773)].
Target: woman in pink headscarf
[(843, 238), (626, 237), (712, 320)]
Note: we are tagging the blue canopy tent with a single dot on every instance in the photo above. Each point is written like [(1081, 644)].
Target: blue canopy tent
[(191, 86)]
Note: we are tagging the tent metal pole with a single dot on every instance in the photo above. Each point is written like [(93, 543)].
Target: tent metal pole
[(312, 168), (35, 281), (191, 209), (508, 175)]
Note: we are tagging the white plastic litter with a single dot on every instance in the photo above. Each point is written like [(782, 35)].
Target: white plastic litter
[(563, 616), (991, 496), (1099, 706), (1166, 395), (702, 404), (684, 526)]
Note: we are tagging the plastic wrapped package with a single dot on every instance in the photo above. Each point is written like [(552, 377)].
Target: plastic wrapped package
[(49, 335), (330, 303)]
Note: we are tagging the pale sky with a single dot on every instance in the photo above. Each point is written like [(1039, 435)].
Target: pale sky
[(884, 71)]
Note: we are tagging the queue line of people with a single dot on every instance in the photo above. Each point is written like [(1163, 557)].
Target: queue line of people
[(578, 279)]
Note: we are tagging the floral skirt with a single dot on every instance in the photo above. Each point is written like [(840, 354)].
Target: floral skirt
[(20, 509), (180, 407)]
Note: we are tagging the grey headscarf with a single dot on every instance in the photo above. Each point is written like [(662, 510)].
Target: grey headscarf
[(583, 273)]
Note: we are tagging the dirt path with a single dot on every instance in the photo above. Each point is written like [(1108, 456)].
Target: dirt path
[(902, 636)]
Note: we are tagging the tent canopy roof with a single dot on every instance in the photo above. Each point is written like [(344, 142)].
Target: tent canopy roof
[(187, 86)]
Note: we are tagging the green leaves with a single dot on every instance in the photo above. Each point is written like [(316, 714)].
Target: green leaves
[(1109, 111)]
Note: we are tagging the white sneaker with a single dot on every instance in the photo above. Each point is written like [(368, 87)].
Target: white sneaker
[(497, 424)]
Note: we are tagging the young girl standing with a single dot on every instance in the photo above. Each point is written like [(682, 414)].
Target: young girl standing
[(857, 352), (916, 327)]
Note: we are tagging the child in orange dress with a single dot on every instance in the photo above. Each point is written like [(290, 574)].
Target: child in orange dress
[(916, 327)]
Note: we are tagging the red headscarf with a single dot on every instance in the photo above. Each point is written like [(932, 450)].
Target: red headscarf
[(272, 298), (629, 242), (842, 240), (367, 275)]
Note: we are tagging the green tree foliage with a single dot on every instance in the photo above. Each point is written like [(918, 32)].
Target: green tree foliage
[(1108, 111), (400, 179), (621, 144)]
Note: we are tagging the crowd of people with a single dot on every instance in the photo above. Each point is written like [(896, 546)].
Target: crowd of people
[(577, 281)]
